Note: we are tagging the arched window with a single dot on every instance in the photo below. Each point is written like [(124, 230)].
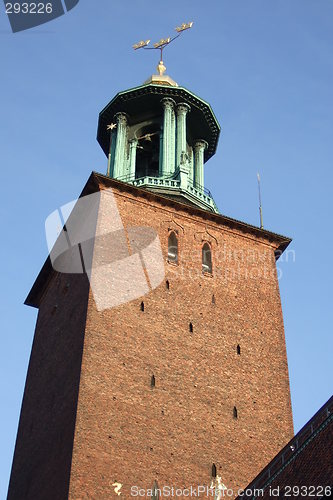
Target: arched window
[(206, 259), (173, 247)]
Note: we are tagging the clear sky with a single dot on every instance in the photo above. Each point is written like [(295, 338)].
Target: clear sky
[(266, 68)]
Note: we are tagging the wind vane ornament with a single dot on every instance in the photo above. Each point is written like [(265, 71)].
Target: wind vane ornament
[(160, 45)]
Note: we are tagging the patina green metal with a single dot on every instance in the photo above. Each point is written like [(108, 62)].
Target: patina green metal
[(164, 135)]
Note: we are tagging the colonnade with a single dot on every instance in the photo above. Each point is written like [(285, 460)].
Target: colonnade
[(173, 144)]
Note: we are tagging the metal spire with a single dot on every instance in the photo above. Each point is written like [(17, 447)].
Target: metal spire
[(260, 206)]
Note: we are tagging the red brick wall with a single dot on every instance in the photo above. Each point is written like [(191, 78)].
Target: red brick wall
[(130, 433), (43, 452)]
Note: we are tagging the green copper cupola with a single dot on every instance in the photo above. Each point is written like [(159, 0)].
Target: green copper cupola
[(159, 136)]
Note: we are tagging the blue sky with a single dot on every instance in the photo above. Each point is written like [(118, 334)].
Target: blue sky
[(266, 68)]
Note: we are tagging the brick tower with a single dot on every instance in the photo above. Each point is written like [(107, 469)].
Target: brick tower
[(179, 377)]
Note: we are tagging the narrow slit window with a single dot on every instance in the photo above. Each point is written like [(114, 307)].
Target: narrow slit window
[(173, 248), (142, 306), (54, 310), (152, 381), (213, 470), (235, 412), (238, 349), (206, 259), (167, 285), (213, 299), (190, 326)]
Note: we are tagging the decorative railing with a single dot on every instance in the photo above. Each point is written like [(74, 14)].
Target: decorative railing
[(156, 181), (172, 182), (204, 195)]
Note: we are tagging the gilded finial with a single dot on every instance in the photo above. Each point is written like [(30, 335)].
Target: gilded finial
[(161, 68)]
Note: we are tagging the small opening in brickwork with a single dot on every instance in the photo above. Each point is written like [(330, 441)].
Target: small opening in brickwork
[(238, 349), (173, 247), (235, 412), (27, 488), (206, 259), (167, 285), (190, 326), (142, 306), (213, 470), (152, 381), (213, 299), (54, 310)]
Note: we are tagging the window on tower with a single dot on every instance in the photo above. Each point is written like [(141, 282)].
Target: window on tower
[(173, 247), (148, 151), (206, 259)]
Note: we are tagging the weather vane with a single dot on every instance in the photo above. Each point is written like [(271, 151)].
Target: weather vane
[(162, 44)]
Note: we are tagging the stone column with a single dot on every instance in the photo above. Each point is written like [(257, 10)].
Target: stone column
[(199, 148), (109, 171), (182, 110), (121, 145), (173, 143), (132, 160), (191, 165), (184, 171), (167, 166)]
